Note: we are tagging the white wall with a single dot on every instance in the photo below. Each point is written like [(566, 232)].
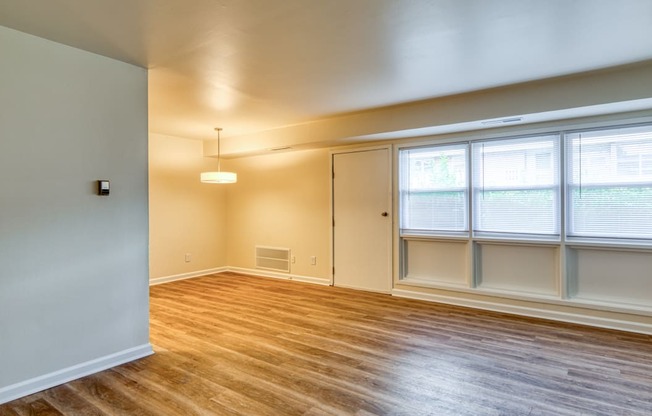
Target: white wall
[(73, 265)]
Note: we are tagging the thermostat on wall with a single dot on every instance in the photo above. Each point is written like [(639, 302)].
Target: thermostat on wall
[(103, 187)]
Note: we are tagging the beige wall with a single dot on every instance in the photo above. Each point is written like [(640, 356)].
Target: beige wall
[(596, 88), (281, 200), (186, 216)]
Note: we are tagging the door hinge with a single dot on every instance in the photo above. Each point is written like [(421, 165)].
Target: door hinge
[(333, 270), (333, 221), (333, 173)]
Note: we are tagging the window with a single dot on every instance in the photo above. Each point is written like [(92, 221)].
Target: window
[(434, 189), (609, 186), (516, 186), (514, 189)]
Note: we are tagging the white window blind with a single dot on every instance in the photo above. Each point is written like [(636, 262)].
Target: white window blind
[(609, 186), (516, 186), (434, 189)]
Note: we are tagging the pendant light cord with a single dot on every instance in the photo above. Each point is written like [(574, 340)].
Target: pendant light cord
[(219, 129)]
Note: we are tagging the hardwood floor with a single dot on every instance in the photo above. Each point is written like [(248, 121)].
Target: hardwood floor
[(235, 345)]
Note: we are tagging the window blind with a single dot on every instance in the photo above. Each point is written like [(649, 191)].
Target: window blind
[(516, 186), (609, 187), (434, 189)]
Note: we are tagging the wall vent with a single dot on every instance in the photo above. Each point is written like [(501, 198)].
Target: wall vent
[(273, 258), (501, 121)]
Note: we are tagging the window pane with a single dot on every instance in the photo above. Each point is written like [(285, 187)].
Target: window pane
[(516, 186), (433, 188), (610, 183)]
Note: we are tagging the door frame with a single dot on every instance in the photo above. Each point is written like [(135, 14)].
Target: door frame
[(390, 205)]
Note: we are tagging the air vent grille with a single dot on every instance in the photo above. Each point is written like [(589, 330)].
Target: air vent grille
[(273, 258)]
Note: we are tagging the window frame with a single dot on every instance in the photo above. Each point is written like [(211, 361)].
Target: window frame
[(465, 191), (557, 191), (558, 128), (569, 186)]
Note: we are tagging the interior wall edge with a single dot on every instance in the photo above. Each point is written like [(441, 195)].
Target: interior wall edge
[(530, 311), (282, 276), (243, 271), (65, 375), (183, 276)]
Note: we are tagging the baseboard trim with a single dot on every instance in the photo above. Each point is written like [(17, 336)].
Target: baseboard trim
[(183, 276), (46, 381), (364, 289), (595, 321), (284, 276)]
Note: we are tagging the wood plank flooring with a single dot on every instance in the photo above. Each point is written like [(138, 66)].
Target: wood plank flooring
[(229, 344)]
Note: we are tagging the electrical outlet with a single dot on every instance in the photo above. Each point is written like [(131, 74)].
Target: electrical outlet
[(294, 259), (313, 260), (188, 257)]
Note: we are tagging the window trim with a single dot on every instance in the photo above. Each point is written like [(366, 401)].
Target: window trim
[(569, 186), (515, 132), (556, 189), (466, 147)]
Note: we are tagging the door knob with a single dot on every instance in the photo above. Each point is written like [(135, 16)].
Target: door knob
[(384, 214)]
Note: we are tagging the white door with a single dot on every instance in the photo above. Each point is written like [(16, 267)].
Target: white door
[(362, 220)]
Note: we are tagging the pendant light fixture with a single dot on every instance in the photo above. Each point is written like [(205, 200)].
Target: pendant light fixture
[(219, 176)]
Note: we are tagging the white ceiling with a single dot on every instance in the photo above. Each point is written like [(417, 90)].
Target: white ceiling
[(255, 65)]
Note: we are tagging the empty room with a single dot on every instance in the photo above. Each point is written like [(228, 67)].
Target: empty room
[(312, 207)]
